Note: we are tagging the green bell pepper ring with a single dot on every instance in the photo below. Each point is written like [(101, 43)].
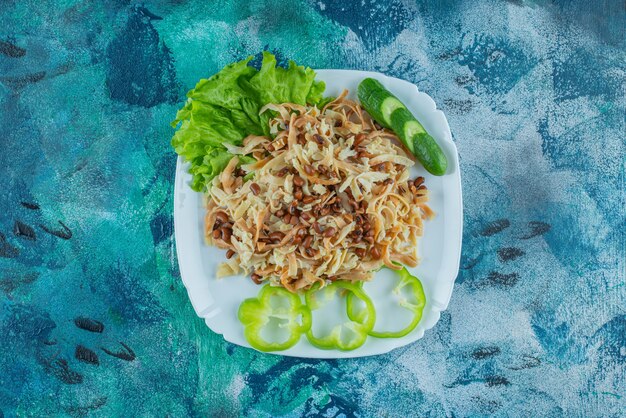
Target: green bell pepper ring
[(256, 313), (415, 286), (357, 328)]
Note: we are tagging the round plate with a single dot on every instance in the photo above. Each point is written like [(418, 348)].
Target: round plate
[(217, 300)]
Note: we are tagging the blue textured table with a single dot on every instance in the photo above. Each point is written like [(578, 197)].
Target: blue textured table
[(93, 317)]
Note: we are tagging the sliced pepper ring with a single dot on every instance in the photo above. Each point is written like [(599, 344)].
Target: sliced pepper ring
[(256, 313), (359, 326), (414, 284)]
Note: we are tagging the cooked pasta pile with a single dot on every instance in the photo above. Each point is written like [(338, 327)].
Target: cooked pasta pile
[(330, 199)]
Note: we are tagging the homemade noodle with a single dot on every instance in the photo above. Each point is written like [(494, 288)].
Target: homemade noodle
[(330, 199)]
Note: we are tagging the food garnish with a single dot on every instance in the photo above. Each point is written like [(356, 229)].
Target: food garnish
[(416, 306), (350, 334), (391, 113), (280, 305)]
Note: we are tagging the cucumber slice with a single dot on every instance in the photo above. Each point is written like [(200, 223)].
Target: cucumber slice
[(422, 145), (430, 154), (378, 101), (391, 113), (389, 105), (405, 126)]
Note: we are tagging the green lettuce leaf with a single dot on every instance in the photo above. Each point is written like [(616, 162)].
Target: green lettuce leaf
[(225, 108), (223, 88), (316, 94), (246, 159), (212, 164), (325, 101), (285, 85), (206, 126)]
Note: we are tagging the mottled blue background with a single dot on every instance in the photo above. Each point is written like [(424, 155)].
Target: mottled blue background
[(93, 317)]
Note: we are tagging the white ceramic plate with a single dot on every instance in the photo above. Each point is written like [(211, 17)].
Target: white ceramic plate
[(217, 301)]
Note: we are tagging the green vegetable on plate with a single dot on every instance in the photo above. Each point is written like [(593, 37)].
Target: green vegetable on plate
[(278, 305), (225, 109), (350, 334), (416, 307), (296, 318), (390, 112)]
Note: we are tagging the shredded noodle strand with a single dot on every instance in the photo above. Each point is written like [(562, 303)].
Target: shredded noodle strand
[(330, 199)]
